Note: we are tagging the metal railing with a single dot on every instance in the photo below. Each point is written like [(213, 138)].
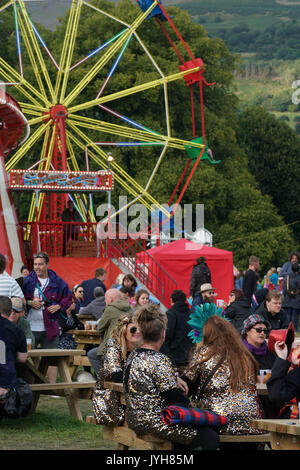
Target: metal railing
[(80, 240)]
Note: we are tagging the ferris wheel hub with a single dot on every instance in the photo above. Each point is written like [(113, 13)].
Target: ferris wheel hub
[(58, 111)]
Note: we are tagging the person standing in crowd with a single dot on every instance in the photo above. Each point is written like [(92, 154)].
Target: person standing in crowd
[(178, 345), (222, 376), (141, 298), (106, 403), (150, 385), (8, 285), (70, 230), (45, 292), (18, 317), (97, 306), (205, 295), (90, 285), (286, 269), (24, 272), (200, 275), (237, 309), (251, 278), (271, 310), (270, 281), (291, 293)]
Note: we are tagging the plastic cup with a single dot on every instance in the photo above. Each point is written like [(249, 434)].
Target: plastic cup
[(28, 341)]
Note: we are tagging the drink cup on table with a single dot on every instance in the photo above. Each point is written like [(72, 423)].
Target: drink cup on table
[(28, 341)]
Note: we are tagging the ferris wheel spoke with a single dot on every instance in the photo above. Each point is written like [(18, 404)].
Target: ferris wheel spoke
[(102, 164), (27, 145), (68, 49), (120, 175), (21, 83), (32, 110), (29, 37), (133, 90), (144, 136), (107, 56)]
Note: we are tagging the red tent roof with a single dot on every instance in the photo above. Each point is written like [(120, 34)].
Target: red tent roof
[(179, 257)]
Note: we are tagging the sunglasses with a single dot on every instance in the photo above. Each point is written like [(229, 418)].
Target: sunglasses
[(133, 330), (42, 255), (261, 330), (80, 291)]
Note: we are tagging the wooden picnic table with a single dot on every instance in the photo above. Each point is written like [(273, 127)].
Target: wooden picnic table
[(84, 339), (35, 369), (285, 433)]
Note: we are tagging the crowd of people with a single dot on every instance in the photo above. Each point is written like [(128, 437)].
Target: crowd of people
[(163, 360)]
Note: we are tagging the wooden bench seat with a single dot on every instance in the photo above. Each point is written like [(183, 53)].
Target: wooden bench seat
[(61, 386), (126, 438)]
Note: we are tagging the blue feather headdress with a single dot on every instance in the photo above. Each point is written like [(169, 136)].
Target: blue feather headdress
[(198, 318)]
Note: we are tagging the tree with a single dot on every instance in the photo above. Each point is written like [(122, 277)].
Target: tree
[(274, 160)]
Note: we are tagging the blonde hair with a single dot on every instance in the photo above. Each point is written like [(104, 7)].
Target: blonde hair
[(151, 322), (119, 332)]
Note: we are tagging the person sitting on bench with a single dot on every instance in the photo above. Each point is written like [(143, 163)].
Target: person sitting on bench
[(106, 404), (150, 385)]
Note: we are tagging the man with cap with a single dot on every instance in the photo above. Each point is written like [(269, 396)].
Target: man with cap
[(17, 316), (206, 295), (254, 333)]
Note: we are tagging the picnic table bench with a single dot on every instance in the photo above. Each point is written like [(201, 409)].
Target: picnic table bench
[(35, 369), (126, 438)]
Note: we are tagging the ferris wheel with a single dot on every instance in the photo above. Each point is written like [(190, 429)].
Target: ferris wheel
[(52, 93)]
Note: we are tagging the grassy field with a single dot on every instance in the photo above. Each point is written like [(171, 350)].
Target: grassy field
[(52, 428)]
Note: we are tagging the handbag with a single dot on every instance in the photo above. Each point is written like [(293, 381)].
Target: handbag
[(291, 293)]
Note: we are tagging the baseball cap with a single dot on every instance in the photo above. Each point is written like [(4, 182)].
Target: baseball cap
[(17, 304)]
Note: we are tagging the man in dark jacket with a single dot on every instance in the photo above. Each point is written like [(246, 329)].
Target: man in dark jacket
[(177, 344), (90, 284), (272, 312), (251, 277), (200, 275)]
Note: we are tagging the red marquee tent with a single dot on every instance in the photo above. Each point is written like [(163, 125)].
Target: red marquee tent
[(179, 257)]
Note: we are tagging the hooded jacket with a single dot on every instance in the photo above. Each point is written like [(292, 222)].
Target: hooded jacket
[(109, 319), (56, 292)]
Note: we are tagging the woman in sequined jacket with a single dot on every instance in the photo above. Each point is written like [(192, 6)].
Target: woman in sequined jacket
[(151, 384), (106, 405), (231, 390)]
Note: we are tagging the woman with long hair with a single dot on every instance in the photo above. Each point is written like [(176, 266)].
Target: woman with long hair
[(106, 405), (150, 384), (222, 376)]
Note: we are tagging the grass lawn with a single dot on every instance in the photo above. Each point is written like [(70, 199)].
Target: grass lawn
[(52, 428)]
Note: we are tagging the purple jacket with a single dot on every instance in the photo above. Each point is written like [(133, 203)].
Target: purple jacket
[(56, 292)]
